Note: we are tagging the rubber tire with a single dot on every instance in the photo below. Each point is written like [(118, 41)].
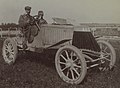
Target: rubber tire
[(112, 63), (83, 64), (15, 51)]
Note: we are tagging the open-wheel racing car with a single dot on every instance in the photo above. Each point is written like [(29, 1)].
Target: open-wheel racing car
[(77, 50)]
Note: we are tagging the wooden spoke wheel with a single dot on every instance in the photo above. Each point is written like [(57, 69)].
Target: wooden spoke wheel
[(70, 64), (9, 51), (107, 55)]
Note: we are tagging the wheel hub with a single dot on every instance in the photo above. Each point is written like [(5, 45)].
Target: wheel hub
[(9, 51), (69, 63)]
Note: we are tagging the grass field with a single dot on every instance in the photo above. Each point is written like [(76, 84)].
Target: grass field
[(35, 71)]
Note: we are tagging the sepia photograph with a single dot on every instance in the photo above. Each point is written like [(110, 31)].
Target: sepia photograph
[(59, 44)]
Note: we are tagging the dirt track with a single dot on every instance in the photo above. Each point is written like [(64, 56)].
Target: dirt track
[(35, 71)]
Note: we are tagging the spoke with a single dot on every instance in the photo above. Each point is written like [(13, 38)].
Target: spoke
[(12, 53), (105, 49), (6, 46), (72, 74), (106, 53), (75, 65), (8, 50), (63, 57), (107, 59), (76, 71), (72, 53), (64, 68), (67, 54), (62, 63), (11, 50), (68, 73), (75, 59), (100, 46)]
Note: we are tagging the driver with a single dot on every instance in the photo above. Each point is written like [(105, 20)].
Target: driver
[(25, 22)]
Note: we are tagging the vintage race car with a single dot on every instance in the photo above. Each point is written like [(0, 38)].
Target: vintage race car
[(77, 50)]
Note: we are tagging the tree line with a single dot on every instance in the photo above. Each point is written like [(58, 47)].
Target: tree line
[(5, 26)]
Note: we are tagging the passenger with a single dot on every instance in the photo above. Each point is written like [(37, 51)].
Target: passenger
[(40, 18), (25, 22)]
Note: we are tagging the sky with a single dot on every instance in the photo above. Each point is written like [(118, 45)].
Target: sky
[(79, 11)]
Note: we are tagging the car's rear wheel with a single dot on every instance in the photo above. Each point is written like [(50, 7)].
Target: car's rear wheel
[(9, 51)]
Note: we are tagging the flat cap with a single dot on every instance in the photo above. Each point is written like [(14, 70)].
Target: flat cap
[(27, 8)]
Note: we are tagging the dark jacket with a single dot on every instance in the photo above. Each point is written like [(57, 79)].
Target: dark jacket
[(25, 20), (42, 21)]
